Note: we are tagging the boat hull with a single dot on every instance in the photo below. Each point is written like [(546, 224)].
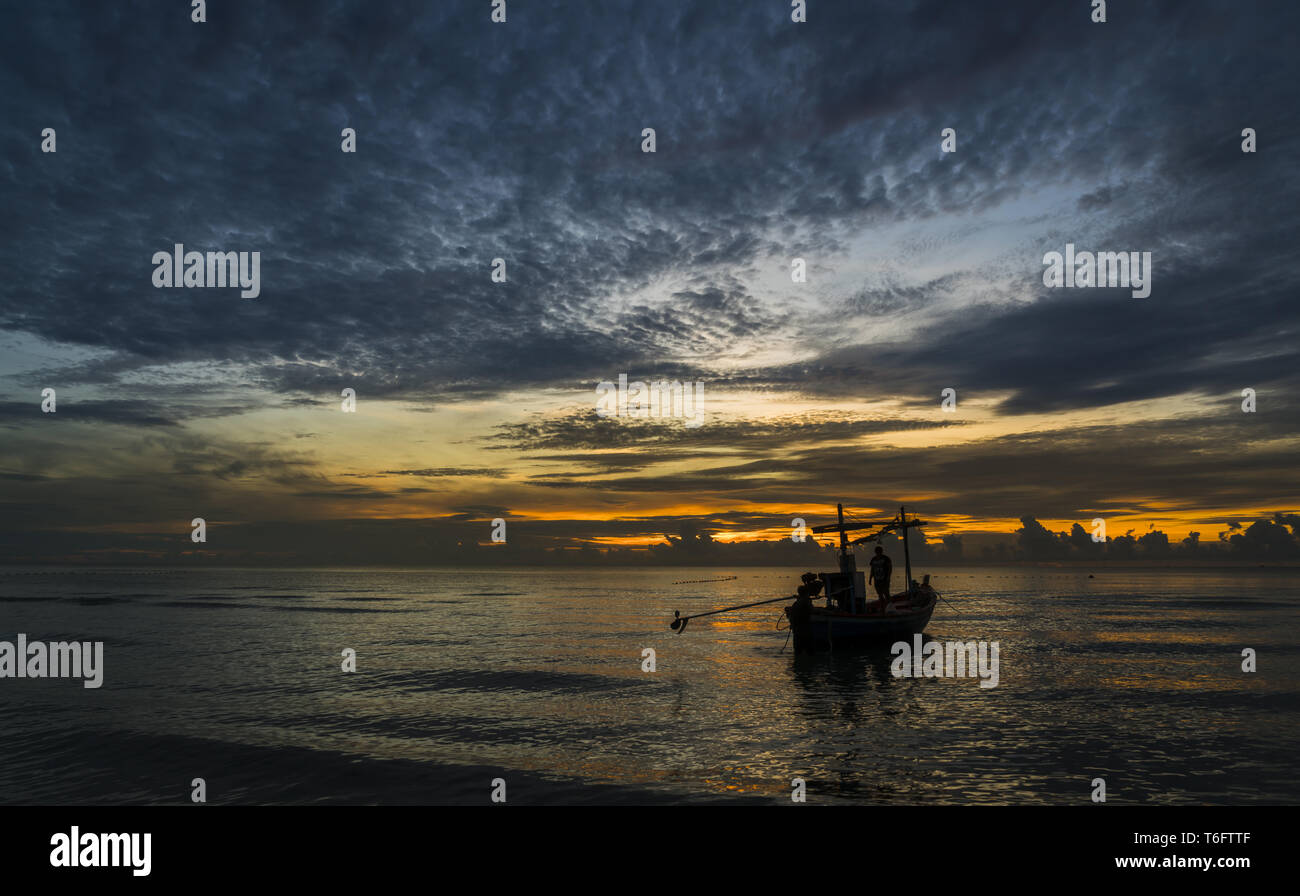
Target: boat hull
[(830, 628)]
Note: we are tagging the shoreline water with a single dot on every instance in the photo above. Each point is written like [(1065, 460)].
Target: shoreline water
[(234, 676)]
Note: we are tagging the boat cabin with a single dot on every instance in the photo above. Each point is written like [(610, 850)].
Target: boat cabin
[(846, 590)]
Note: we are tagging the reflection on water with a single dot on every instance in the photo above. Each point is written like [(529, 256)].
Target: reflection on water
[(234, 675)]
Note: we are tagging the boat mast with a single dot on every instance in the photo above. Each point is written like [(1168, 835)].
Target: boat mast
[(844, 537), (907, 557)]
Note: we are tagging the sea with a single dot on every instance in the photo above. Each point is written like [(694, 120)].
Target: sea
[(567, 686)]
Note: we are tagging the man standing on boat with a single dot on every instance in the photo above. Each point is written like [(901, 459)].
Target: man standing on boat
[(881, 569)]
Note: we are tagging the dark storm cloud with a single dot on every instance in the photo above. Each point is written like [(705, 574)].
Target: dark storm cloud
[(480, 512), (521, 141), (590, 431), (168, 405), (206, 458), (775, 140), (126, 413), (348, 493), (22, 477), (1223, 330), (437, 472), (1096, 470)]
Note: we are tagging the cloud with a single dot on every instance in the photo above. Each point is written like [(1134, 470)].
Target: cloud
[(775, 141), (669, 437)]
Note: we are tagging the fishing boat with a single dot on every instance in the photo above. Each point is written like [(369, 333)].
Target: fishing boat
[(849, 616)]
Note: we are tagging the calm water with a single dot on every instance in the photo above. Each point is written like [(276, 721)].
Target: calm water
[(535, 676)]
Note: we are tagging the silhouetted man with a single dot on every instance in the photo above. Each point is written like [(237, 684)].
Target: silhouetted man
[(881, 569)]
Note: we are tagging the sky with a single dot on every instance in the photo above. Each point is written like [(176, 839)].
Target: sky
[(476, 398)]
